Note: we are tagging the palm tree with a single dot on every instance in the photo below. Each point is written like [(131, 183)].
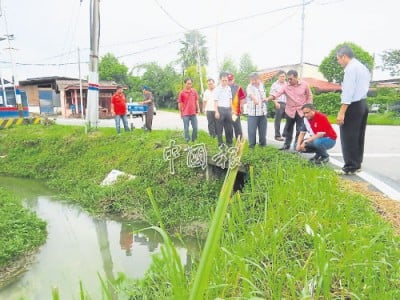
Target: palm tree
[(193, 48)]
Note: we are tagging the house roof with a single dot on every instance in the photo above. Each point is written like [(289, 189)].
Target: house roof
[(322, 86), (103, 85), (44, 80), (286, 67)]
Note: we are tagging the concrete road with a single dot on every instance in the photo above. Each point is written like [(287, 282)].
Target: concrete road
[(381, 166)]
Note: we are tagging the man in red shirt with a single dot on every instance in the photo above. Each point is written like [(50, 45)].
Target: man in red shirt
[(118, 109), (188, 103), (322, 135)]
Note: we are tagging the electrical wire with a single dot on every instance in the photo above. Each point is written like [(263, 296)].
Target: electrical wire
[(236, 20), (170, 16)]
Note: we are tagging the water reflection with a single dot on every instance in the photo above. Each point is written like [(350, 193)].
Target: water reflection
[(78, 248)]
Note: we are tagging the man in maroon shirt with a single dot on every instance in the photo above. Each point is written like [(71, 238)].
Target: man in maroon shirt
[(118, 109), (322, 135), (188, 103)]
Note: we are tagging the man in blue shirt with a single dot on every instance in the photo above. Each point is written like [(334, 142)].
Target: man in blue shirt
[(353, 113)]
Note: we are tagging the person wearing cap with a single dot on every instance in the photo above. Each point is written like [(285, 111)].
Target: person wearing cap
[(118, 109), (148, 100), (238, 100), (188, 104)]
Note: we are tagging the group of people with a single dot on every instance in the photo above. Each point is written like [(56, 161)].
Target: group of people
[(119, 108), (224, 103)]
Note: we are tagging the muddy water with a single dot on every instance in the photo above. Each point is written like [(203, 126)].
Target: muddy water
[(78, 247)]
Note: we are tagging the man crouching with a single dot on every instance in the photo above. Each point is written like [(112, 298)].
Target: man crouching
[(322, 135)]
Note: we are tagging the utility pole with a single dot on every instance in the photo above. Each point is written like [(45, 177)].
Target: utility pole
[(302, 40), (80, 83), (92, 116), (17, 91), (199, 66)]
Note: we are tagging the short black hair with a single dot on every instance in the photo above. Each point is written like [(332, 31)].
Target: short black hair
[(254, 75), (345, 50), (210, 79), (292, 72), (187, 79), (308, 105), (280, 72), (223, 74)]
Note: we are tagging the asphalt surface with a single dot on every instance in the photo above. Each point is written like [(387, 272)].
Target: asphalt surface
[(381, 166)]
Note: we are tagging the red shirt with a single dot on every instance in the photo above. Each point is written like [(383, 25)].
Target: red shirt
[(119, 103), (320, 123), (189, 102)]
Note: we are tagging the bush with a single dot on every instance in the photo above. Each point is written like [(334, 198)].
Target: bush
[(327, 103)]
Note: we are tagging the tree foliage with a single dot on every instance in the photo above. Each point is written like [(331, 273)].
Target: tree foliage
[(193, 45), (228, 65), (111, 69), (391, 61), (246, 67), (193, 73), (333, 72), (163, 82)]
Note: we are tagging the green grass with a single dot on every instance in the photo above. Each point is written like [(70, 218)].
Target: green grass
[(21, 230), (295, 234), (377, 119), (74, 165), (292, 233)]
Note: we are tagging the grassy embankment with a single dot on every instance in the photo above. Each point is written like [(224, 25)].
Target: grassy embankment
[(292, 233), (21, 232)]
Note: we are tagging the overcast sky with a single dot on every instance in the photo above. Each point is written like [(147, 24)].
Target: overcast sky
[(50, 31)]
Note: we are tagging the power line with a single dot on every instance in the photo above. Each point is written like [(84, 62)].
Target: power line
[(170, 16), (148, 49), (174, 41)]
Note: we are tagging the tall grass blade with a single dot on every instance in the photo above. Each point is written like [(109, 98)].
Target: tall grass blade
[(210, 247)]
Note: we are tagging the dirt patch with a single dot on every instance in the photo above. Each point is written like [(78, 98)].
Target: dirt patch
[(17, 267), (388, 208)]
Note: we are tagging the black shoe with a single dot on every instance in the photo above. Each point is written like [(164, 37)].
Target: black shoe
[(322, 160), (314, 159), (347, 171), (285, 147), (280, 139)]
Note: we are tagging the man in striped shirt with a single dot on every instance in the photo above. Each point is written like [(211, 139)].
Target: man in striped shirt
[(257, 111)]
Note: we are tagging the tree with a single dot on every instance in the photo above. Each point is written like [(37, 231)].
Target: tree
[(228, 65), (193, 73), (193, 46), (111, 69), (163, 82), (391, 61), (246, 67), (333, 72)]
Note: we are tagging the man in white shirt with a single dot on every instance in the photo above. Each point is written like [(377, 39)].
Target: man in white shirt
[(353, 114), (209, 107), (223, 110), (279, 112)]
